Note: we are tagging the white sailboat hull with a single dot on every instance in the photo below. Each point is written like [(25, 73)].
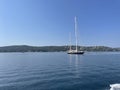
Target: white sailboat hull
[(75, 52)]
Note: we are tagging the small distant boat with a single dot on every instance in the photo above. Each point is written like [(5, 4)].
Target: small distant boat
[(76, 51)]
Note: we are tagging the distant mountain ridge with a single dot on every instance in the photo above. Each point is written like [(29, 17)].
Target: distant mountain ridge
[(26, 48)]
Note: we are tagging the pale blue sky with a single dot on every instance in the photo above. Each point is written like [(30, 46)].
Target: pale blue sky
[(48, 22)]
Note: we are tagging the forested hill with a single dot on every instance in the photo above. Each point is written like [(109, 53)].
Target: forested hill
[(25, 48)]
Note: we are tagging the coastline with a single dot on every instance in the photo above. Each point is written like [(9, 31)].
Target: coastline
[(26, 48)]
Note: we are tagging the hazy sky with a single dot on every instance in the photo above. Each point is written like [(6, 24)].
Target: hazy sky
[(48, 22)]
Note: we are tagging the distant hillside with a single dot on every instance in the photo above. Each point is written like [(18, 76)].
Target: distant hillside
[(25, 48)]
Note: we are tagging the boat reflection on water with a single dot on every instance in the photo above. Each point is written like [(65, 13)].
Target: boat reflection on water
[(75, 62)]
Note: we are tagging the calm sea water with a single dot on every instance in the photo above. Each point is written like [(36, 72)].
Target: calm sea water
[(59, 71)]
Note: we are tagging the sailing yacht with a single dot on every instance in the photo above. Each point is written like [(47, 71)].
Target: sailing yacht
[(76, 51)]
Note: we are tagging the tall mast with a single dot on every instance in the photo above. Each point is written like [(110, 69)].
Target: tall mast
[(76, 33)]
